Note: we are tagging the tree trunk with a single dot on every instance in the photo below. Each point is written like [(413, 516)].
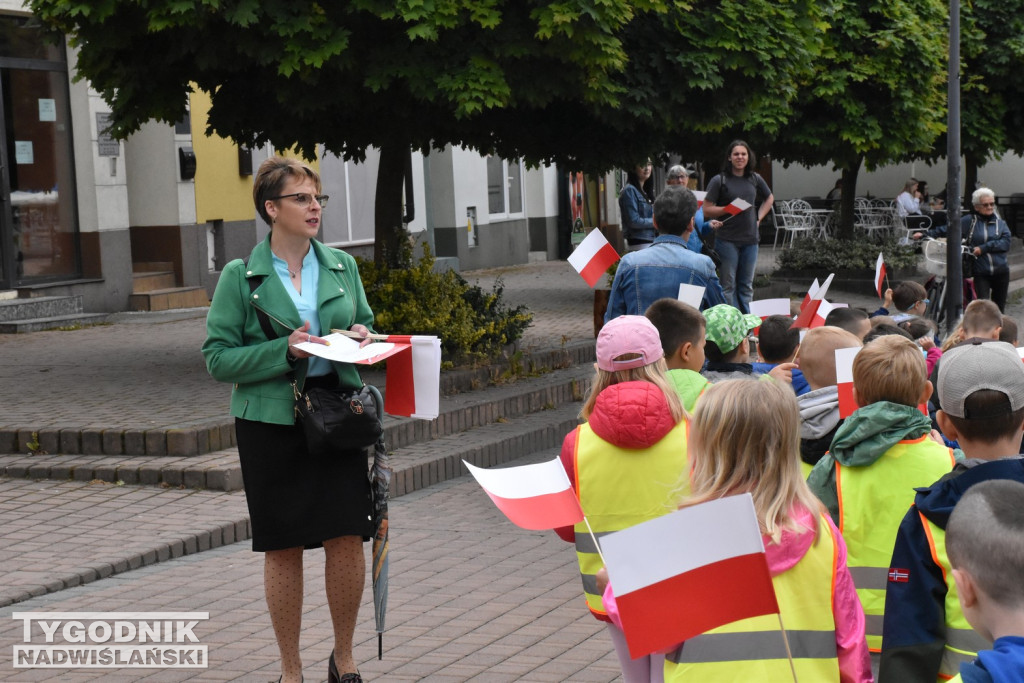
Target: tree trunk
[(850, 172), (387, 212)]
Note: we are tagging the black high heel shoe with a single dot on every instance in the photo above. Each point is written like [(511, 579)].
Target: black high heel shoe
[(334, 677)]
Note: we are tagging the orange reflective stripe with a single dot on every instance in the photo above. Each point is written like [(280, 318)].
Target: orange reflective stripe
[(835, 556), (576, 464), (917, 440), (839, 493), (931, 546)]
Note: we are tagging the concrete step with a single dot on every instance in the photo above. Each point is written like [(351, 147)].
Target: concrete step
[(149, 281), (167, 299), (414, 467), (72, 321), (459, 412), (12, 309)]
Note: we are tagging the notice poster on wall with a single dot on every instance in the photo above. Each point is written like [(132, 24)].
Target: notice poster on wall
[(23, 152), (47, 109), (108, 146)]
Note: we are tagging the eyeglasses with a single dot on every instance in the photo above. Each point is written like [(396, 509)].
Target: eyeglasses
[(924, 301), (303, 199), (987, 204)]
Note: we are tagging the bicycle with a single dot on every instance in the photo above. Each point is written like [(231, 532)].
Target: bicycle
[(934, 251)]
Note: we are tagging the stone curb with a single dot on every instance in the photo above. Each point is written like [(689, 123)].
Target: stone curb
[(213, 536)]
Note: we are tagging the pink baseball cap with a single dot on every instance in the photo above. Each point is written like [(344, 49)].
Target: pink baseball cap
[(628, 334)]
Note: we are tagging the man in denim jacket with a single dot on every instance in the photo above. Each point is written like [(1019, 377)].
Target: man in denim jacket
[(645, 276)]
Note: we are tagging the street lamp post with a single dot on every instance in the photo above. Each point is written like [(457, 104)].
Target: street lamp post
[(954, 271)]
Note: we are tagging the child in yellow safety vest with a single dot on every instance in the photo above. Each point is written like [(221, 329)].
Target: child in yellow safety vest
[(626, 460), (745, 439), (878, 456), (985, 543), (926, 634)]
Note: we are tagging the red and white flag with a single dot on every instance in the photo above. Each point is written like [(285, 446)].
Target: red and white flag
[(764, 308), (737, 206), (810, 309), (844, 380), (413, 383), (879, 274), (700, 197), (810, 292), (691, 294), (593, 256), (677, 576), (824, 308), (531, 496)]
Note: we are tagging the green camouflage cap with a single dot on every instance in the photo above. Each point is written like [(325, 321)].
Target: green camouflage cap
[(727, 327)]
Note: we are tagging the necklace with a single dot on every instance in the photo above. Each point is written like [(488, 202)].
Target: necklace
[(291, 272)]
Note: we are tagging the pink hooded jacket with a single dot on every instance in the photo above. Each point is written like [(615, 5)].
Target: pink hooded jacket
[(854, 659)]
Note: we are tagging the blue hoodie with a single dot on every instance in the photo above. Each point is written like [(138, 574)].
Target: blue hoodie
[(1004, 663)]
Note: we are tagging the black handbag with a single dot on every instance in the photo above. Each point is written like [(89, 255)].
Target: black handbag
[(967, 258), (707, 248), (337, 419)]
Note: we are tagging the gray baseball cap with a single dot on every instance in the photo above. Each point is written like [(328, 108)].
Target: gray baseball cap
[(979, 365)]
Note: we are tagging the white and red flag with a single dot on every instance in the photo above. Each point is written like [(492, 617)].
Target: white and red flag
[(700, 197), (531, 496), (764, 308), (691, 294), (413, 383), (824, 308), (737, 206), (677, 576), (815, 286), (844, 380), (810, 308), (879, 274), (593, 256)]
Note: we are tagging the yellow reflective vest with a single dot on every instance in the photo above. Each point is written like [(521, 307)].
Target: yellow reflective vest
[(872, 502), (621, 487), (754, 650), (962, 641)]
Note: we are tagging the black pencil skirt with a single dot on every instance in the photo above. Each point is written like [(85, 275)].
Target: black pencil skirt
[(295, 500)]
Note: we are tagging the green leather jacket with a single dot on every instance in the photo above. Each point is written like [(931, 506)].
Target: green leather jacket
[(236, 349)]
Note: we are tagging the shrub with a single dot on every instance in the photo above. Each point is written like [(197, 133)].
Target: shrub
[(473, 325), (833, 254)]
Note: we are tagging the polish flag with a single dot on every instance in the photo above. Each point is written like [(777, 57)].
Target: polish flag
[(677, 576), (700, 197), (810, 309), (533, 497), (844, 380), (810, 292), (824, 308), (769, 307), (691, 294), (879, 274), (593, 256), (413, 383), (737, 206)]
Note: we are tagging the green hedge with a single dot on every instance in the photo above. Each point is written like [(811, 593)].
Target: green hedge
[(473, 325), (833, 254)]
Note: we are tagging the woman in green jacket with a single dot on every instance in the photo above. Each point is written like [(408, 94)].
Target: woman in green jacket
[(295, 501)]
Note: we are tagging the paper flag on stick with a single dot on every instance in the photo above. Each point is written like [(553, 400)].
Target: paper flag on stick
[(879, 274), (810, 292), (531, 496), (768, 307), (737, 206), (700, 197), (690, 571), (824, 308), (691, 294), (413, 386), (593, 257), (844, 380), (808, 312)]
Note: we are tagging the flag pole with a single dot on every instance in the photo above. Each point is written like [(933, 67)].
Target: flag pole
[(785, 639), (356, 335), (596, 544)]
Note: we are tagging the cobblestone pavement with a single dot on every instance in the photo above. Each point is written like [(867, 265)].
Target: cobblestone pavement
[(472, 597)]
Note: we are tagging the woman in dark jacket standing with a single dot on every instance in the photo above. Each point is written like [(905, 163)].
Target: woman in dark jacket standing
[(295, 501), (989, 238), (636, 204)]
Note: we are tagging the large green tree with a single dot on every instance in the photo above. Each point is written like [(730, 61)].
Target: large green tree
[(590, 84)]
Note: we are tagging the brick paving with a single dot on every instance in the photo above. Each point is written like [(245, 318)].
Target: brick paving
[(472, 598)]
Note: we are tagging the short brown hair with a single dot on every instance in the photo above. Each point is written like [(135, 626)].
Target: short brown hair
[(677, 323), (891, 368), (1009, 331), (271, 178), (778, 339), (908, 293), (981, 318), (818, 354)]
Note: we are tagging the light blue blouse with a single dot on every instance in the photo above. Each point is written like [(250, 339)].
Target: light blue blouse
[(305, 302)]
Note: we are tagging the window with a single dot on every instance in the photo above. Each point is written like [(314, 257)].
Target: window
[(504, 186)]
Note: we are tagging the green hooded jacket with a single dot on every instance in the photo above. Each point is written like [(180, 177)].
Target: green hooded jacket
[(689, 385)]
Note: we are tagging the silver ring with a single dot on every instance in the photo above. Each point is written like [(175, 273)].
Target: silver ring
[(309, 337)]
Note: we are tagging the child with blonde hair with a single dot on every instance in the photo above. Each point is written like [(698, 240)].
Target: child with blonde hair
[(746, 439), (878, 456), (625, 461)]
